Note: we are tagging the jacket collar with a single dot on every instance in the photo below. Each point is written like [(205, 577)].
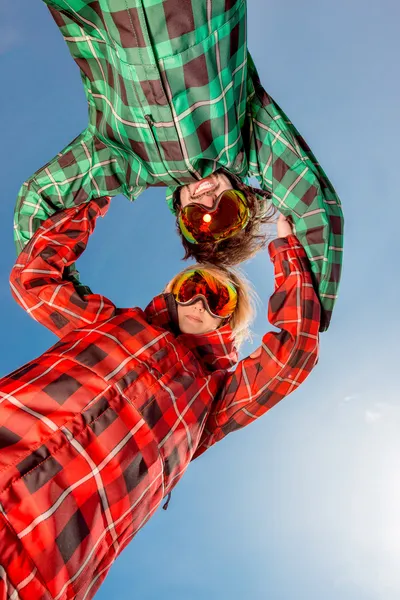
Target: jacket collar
[(214, 350)]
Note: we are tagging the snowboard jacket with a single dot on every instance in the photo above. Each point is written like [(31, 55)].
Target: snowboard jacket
[(173, 96), (98, 429)]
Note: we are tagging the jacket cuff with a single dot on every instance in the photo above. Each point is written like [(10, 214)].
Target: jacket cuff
[(280, 245), (101, 204)]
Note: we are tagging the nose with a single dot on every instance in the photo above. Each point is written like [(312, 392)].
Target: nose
[(205, 200), (199, 305)]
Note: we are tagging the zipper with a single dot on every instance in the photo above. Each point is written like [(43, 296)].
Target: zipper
[(150, 123)]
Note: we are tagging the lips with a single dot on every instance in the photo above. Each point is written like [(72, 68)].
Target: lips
[(204, 186), (194, 319)]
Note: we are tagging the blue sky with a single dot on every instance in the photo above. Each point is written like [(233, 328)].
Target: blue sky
[(304, 503)]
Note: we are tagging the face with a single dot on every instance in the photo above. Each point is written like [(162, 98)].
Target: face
[(195, 319), (205, 191)]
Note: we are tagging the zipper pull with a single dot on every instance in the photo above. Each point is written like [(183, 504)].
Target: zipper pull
[(165, 506)]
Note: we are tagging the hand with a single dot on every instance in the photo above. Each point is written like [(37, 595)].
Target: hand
[(284, 226)]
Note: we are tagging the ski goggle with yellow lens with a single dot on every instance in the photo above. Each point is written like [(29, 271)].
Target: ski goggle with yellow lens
[(228, 215), (197, 284)]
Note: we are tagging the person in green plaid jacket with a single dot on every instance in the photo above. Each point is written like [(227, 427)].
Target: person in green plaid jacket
[(174, 99)]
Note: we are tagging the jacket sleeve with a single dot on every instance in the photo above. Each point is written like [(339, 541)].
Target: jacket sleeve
[(84, 170), (285, 166), (284, 359), (37, 279)]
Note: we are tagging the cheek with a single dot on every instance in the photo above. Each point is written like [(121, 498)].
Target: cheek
[(225, 184), (180, 313), (212, 323), (183, 197)]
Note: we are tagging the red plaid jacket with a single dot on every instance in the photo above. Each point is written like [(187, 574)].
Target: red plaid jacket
[(96, 431)]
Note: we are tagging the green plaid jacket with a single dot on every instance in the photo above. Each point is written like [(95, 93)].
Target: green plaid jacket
[(174, 95)]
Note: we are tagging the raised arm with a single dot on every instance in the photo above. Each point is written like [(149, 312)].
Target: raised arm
[(84, 170), (283, 164), (37, 281), (284, 359)]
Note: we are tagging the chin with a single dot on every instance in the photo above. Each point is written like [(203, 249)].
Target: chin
[(188, 329)]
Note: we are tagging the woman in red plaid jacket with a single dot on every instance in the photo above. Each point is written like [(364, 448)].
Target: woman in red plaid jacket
[(99, 429)]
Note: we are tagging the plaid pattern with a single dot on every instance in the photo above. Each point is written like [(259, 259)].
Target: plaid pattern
[(97, 430), (173, 96)]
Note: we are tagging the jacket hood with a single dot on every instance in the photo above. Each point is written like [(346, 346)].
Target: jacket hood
[(215, 350)]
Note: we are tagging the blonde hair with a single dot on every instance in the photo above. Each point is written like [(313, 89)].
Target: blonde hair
[(244, 312)]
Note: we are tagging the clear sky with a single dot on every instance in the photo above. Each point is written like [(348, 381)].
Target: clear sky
[(305, 503)]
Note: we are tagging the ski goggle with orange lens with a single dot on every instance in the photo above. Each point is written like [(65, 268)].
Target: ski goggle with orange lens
[(219, 300), (228, 215)]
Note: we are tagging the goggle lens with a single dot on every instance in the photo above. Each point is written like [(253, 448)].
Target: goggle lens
[(229, 215), (220, 300)]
